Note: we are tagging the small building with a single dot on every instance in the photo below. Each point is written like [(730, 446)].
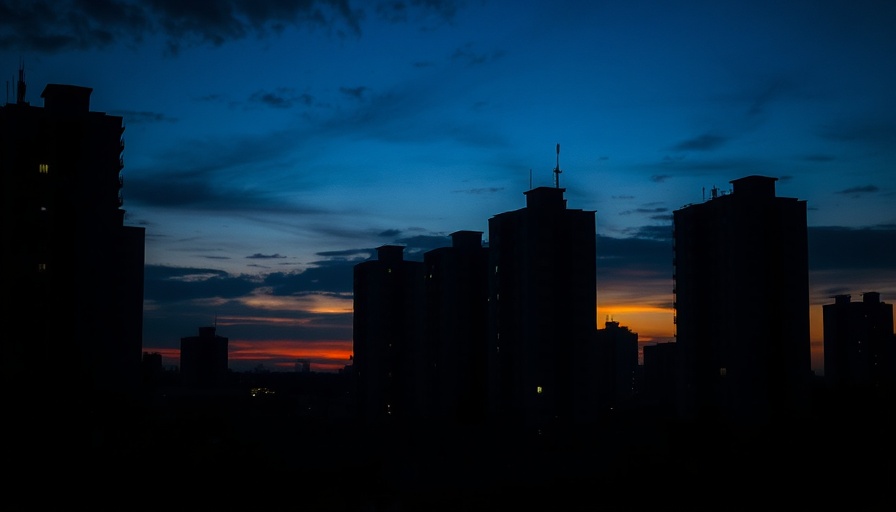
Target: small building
[(203, 359)]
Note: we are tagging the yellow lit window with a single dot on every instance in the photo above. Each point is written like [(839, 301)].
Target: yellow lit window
[(538, 389), (44, 168)]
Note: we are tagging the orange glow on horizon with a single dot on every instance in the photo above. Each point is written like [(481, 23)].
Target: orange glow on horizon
[(313, 303), (651, 323), (656, 324), (648, 321), (331, 355)]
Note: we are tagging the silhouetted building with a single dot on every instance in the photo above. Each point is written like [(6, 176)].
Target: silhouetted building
[(742, 304), (859, 344), (391, 362), (542, 302), (71, 266), (456, 287), (657, 389), (616, 363), (204, 359)]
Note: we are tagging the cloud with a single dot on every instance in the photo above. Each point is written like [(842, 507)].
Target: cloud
[(832, 247), (819, 158), (135, 117), (210, 174), (415, 246), (175, 284), (259, 256), (398, 11), (857, 191), (192, 190), (647, 255), (477, 191), (390, 233), (469, 57), (52, 26), (681, 166), (281, 98), (326, 276), (872, 131), (394, 116), (704, 142), (644, 211), (354, 92)]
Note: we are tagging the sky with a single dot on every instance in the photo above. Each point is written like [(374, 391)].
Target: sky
[(271, 146)]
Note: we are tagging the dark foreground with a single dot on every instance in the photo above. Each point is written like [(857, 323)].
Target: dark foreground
[(209, 453)]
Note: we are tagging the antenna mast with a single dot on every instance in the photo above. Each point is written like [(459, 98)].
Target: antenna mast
[(557, 170), (20, 90)]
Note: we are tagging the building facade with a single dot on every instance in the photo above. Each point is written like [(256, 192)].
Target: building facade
[(542, 312), (70, 264), (616, 363), (204, 359), (456, 295), (859, 345), (742, 304), (391, 363)]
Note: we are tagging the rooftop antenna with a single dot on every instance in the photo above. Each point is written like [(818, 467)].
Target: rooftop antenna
[(557, 170), (530, 178), (20, 90)]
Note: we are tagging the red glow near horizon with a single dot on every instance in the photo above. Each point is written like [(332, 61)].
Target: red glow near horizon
[(652, 324), (329, 356)]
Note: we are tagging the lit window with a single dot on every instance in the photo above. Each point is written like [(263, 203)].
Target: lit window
[(44, 168), (538, 389)]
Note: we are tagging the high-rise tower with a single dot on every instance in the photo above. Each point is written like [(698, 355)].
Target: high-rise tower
[(456, 292), (859, 345), (543, 311), (742, 304), (72, 289), (391, 362)]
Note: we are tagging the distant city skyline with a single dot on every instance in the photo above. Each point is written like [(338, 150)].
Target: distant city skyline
[(268, 150)]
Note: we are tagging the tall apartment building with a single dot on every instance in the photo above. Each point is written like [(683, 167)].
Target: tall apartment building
[(859, 345), (656, 390), (456, 294), (204, 359), (73, 272), (742, 304), (391, 362), (616, 363), (542, 311)]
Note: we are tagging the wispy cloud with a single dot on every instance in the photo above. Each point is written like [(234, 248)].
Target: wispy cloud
[(857, 191), (45, 26), (142, 117), (868, 248), (281, 98), (705, 142)]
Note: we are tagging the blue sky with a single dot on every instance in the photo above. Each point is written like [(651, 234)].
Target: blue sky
[(271, 146)]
